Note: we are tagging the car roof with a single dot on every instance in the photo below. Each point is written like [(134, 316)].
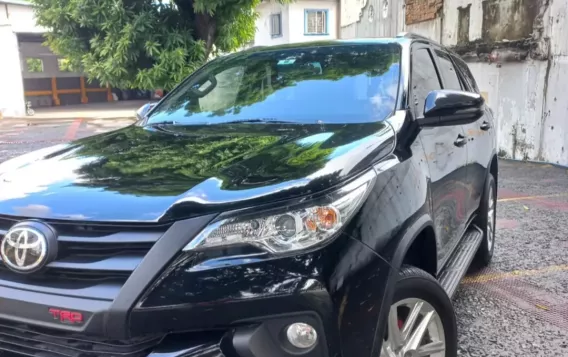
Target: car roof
[(403, 39)]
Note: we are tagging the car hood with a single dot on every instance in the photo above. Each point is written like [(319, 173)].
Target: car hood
[(170, 172)]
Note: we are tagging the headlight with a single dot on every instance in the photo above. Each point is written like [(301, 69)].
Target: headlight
[(289, 228)]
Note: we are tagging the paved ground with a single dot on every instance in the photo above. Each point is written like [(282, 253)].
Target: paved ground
[(112, 110), (518, 307)]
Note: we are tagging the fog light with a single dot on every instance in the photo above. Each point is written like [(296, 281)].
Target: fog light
[(301, 335)]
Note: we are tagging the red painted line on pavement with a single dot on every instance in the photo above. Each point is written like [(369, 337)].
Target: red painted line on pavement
[(507, 223), (73, 128), (507, 193)]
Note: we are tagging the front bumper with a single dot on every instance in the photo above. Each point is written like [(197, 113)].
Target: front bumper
[(167, 307)]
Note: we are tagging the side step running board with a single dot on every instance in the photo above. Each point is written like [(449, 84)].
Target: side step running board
[(459, 262)]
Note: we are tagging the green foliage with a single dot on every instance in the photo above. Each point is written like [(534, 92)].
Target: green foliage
[(65, 65), (34, 65), (144, 44)]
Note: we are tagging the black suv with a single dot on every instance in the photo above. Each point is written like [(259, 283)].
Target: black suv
[(319, 199)]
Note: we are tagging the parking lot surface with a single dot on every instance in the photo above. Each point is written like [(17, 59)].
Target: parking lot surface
[(517, 307)]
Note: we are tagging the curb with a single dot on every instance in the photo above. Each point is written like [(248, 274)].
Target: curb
[(535, 162), (47, 120)]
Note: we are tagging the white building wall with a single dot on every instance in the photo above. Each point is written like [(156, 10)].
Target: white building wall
[(14, 18), (263, 37), (297, 20), (23, 19), (554, 142), (293, 22), (11, 85), (451, 16), (517, 103), (431, 29), (371, 18)]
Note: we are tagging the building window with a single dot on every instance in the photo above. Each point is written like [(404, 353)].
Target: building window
[(64, 65), (34, 65), (315, 22), (276, 25)]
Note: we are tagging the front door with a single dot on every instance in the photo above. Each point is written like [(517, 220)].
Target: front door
[(446, 152), (481, 134)]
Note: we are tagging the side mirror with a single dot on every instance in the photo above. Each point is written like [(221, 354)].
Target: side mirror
[(143, 110), (451, 107)]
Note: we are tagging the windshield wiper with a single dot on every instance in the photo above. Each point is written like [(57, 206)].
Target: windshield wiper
[(166, 122), (261, 120), (242, 121)]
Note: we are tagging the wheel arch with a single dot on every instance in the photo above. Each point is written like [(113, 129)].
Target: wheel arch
[(422, 252), (494, 168), (422, 227)]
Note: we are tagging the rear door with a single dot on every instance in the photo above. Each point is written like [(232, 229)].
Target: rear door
[(478, 134), (446, 155)]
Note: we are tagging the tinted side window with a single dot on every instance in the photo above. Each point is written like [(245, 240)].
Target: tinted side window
[(466, 74), (451, 79), (424, 79)]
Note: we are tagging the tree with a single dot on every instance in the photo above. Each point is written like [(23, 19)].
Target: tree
[(144, 44)]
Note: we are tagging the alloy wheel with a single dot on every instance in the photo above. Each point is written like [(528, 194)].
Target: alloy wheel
[(490, 220), (414, 330)]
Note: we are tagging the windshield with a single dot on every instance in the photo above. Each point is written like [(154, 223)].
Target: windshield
[(330, 84)]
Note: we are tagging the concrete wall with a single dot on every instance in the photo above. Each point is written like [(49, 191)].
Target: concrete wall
[(293, 21), (526, 83), (371, 18), (554, 137), (514, 91)]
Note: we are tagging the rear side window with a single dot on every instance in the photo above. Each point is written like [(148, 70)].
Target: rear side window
[(451, 79), (424, 79), (466, 74)]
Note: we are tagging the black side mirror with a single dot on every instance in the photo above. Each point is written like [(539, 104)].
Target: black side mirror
[(451, 107), (143, 110)]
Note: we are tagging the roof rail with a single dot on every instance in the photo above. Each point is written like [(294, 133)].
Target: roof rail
[(413, 36)]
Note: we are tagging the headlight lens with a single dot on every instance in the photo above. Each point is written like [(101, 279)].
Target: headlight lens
[(290, 228)]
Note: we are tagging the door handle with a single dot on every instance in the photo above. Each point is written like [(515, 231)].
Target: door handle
[(460, 141), (485, 126)]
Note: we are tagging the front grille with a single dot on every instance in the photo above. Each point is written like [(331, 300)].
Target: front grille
[(91, 253), (22, 340)]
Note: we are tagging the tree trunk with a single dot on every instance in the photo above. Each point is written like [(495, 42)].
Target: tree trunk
[(206, 27)]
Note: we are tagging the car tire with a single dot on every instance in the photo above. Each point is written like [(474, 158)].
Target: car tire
[(418, 298), (485, 220)]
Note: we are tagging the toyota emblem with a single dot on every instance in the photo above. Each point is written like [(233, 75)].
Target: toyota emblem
[(28, 246)]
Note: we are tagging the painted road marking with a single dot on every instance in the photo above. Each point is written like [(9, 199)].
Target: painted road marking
[(72, 130), (531, 197), (483, 278)]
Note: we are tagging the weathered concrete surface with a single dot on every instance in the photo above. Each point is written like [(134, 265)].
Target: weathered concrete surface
[(516, 307), (517, 51)]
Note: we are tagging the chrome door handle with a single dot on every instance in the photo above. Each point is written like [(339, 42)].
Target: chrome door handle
[(460, 141)]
